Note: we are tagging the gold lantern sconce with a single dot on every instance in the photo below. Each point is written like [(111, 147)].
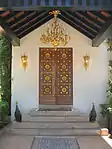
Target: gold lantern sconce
[(86, 59), (24, 61)]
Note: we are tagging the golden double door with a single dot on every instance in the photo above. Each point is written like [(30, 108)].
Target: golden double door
[(55, 79)]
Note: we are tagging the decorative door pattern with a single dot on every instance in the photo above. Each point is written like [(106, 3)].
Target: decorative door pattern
[(64, 75), (47, 76), (56, 76)]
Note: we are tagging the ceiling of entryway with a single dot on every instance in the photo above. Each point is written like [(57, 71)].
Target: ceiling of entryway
[(90, 23)]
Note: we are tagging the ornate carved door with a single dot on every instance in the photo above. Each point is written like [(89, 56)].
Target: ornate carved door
[(56, 76)]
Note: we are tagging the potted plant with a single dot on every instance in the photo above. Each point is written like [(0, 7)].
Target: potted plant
[(92, 115), (18, 115)]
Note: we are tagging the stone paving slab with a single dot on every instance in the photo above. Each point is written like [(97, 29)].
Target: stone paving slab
[(55, 113), (27, 118), (22, 137), (25, 132), (29, 125), (68, 132), (28, 142), (15, 142), (55, 132), (92, 142), (55, 143)]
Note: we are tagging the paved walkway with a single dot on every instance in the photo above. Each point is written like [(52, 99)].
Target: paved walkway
[(53, 131), (26, 142)]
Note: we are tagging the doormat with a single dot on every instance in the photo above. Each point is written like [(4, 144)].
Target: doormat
[(55, 143)]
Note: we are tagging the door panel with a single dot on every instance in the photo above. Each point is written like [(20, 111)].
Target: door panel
[(47, 76), (56, 76), (64, 76)]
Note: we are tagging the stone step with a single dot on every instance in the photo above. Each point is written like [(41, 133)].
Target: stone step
[(28, 125), (55, 132), (55, 113), (56, 107), (67, 119)]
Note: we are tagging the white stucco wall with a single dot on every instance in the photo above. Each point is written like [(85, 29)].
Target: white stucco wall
[(88, 86)]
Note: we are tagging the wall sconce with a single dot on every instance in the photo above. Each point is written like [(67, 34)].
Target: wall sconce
[(24, 61), (86, 61)]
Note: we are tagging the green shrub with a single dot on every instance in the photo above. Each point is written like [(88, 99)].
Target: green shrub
[(4, 107), (5, 71), (106, 109), (4, 111)]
